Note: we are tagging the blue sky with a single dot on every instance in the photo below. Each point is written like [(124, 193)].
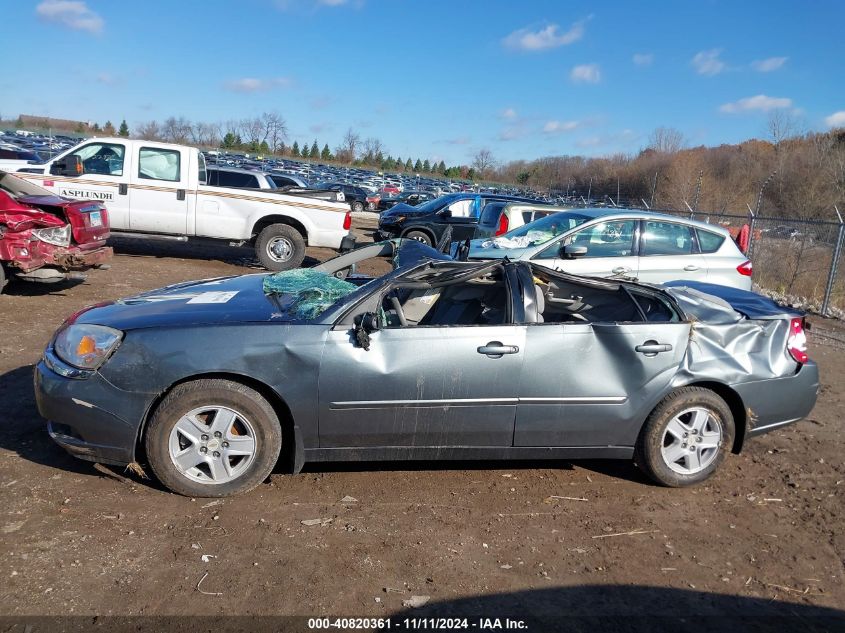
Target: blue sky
[(436, 79)]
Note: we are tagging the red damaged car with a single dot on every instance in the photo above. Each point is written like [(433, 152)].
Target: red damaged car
[(46, 238)]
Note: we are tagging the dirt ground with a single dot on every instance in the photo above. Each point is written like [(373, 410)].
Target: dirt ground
[(764, 537)]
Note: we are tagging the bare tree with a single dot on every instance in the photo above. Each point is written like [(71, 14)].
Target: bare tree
[(781, 126), (176, 130), (373, 148), (251, 130), (348, 149), (275, 130), (149, 131), (483, 161), (666, 140)]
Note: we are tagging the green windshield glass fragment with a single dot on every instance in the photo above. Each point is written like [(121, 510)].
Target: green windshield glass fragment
[(310, 291)]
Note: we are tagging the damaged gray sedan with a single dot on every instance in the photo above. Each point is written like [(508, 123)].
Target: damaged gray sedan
[(210, 382)]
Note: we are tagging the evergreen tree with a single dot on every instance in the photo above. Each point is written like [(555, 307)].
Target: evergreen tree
[(124, 129), (326, 154), (441, 168), (315, 151), (264, 148), (399, 164), (294, 151), (418, 166), (283, 149), (229, 141), (96, 127), (409, 166), (426, 166), (108, 129)]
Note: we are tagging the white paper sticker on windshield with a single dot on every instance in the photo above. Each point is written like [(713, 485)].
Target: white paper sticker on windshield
[(214, 297)]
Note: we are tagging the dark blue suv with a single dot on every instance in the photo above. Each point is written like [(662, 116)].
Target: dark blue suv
[(428, 222)]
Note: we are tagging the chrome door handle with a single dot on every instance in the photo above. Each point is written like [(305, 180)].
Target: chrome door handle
[(653, 348), (620, 269), (690, 267), (495, 349)]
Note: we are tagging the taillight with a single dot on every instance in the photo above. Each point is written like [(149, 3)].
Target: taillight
[(503, 224), (796, 344), (347, 221), (744, 268)]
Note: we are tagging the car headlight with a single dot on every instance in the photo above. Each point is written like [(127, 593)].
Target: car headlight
[(58, 235), (86, 346)]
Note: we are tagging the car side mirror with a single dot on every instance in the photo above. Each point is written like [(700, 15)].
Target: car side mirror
[(445, 213), (365, 324), (570, 251), (68, 166)]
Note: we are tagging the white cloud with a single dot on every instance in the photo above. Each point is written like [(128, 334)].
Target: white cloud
[(107, 79), (768, 65), (586, 73), (643, 59), (251, 84), (559, 127), (708, 62), (73, 14), (461, 140), (547, 37), (761, 103), (512, 133), (837, 119), (508, 113)]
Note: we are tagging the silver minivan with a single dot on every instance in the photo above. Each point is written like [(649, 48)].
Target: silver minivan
[(603, 242)]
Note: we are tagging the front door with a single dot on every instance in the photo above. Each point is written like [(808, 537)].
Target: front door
[(421, 386), (586, 384), (159, 191), (611, 250), (105, 177)]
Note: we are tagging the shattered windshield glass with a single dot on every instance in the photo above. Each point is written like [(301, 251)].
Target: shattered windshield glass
[(306, 293), (538, 232)]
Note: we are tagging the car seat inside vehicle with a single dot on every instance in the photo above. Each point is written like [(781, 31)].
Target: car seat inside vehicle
[(477, 301)]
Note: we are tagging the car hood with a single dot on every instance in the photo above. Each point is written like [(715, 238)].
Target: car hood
[(403, 209), (238, 299)]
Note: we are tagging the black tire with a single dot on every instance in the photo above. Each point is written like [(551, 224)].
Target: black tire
[(280, 247), (649, 453), (357, 206), (420, 236), (3, 280), (263, 424)]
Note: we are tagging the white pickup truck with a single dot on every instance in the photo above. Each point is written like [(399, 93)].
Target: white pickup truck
[(159, 190)]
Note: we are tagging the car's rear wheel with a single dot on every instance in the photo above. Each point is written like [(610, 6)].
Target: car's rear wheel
[(686, 437), (213, 438), (280, 247), (419, 236), (357, 206)]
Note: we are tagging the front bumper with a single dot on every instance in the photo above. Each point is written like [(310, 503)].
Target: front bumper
[(778, 402), (382, 234), (82, 413)]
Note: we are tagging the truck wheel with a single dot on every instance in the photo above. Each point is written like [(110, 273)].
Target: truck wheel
[(213, 438), (686, 437), (3, 279), (419, 236), (280, 247), (357, 206)]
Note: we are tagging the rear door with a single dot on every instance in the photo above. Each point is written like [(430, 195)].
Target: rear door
[(105, 177), (611, 250), (588, 384), (160, 190), (668, 251)]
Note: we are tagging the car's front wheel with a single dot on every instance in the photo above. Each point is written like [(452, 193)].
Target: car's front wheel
[(419, 236), (357, 206), (213, 438), (686, 437)]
